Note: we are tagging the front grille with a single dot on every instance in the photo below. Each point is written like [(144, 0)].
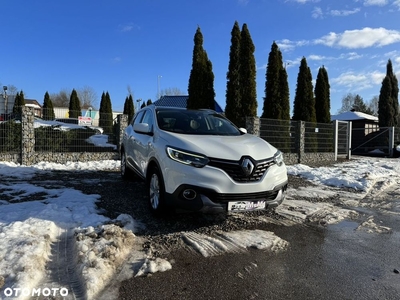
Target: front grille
[(236, 172), (225, 198)]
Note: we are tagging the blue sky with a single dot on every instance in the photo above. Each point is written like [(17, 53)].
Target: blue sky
[(50, 45)]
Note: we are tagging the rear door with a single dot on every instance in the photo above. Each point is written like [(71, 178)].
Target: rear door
[(143, 145), (130, 141)]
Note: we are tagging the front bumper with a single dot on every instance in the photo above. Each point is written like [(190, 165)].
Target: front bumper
[(210, 201)]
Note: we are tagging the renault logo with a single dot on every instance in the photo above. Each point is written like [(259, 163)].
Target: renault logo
[(247, 166)]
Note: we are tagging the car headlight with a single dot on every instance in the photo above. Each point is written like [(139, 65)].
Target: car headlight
[(398, 148), (187, 158), (278, 158)]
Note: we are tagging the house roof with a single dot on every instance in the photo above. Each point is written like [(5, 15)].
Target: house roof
[(353, 115), (179, 101), (32, 103)]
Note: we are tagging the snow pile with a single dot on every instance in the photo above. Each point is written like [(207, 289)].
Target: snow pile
[(305, 211), (233, 242), (30, 244), (101, 252)]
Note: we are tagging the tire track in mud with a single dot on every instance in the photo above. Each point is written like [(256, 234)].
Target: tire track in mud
[(62, 270)]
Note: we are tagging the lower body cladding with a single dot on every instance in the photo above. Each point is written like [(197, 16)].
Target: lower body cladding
[(194, 198)]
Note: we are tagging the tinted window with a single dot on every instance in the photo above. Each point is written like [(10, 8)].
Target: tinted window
[(148, 118), (195, 122), (138, 118)]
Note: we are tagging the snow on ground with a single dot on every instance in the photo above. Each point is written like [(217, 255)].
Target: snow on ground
[(29, 230)]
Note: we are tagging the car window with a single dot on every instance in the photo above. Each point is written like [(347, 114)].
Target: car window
[(148, 118), (195, 122), (138, 117)]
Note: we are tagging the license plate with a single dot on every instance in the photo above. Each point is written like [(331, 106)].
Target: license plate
[(246, 205)]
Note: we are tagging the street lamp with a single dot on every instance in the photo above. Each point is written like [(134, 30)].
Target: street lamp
[(158, 86), (138, 101), (5, 97)]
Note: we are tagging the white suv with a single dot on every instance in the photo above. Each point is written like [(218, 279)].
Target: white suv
[(197, 160)]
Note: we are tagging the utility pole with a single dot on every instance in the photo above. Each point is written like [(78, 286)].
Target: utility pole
[(158, 86), (5, 97)]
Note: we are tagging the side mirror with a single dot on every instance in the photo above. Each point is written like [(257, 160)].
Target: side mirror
[(243, 130), (142, 128)]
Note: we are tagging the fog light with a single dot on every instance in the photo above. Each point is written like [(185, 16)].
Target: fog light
[(189, 194)]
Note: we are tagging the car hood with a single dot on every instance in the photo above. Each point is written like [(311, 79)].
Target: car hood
[(224, 147)]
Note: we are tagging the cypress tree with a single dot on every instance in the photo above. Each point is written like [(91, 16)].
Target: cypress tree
[(129, 108), (304, 105), (388, 105), (233, 108), (272, 105), (74, 105), (304, 102), (16, 104), (248, 94), (284, 95), (201, 81), (48, 109), (322, 97), (149, 102), (106, 116)]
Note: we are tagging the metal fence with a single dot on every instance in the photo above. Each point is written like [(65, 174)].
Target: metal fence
[(59, 132), (286, 135)]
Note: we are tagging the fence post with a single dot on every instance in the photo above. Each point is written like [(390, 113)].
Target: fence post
[(253, 125), (27, 136), (349, 137), (336, 137), (391, 141), (122, 121), (300, 140)]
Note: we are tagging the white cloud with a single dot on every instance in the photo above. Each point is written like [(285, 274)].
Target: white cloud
[(375, 2), (344, 13), (287, 45), (359, 81), (360, 38), (317, 13), (304, 1), (350, 56), (317, 57), (128, 27), (397, 3)]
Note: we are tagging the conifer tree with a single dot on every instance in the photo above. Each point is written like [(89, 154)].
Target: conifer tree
[(233, 103), (106, 116), (129, 108), (16, 104), (149, 102), (304, 102), (388, 105), (48, 109), (272, 108), (322, 97), (304, 105), (284, 95), (201, 81), (74, 105), (248, 94)]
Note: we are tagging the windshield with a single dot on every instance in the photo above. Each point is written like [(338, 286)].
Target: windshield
[(195, 122)]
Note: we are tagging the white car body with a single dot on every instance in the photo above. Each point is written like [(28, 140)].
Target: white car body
[(201, 171)]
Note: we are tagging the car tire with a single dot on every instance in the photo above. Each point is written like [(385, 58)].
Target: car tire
[(156, 191), (126, 173)]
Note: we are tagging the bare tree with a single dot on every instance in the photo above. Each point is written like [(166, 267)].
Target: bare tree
[(61, 99), (172, 91), (373, 105), (12, 90), (87, 96)]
